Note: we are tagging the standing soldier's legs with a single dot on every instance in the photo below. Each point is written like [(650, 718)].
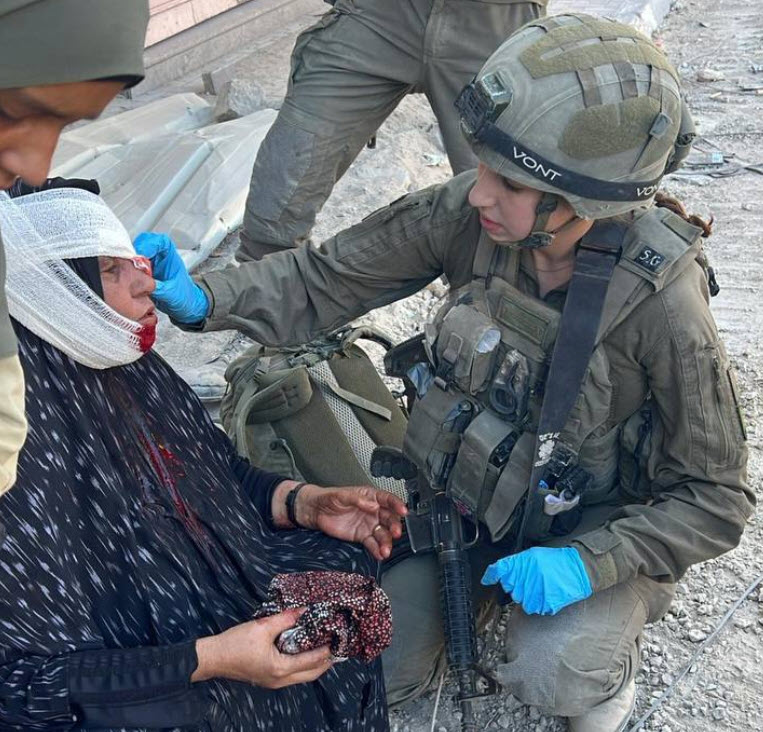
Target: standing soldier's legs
[(459, 39), (570, 663), (348, 73)]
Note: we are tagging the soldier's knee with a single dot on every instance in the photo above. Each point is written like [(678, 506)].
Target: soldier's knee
[(566, 684), (568, 663), (415, 655), (578, 689)]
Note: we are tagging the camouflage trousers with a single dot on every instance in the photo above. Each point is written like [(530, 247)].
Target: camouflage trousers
[(348, 73)]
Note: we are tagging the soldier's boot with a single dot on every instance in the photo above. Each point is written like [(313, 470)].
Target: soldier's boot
[(609, 716)]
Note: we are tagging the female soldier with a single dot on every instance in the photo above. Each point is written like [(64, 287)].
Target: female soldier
[(622, 437)]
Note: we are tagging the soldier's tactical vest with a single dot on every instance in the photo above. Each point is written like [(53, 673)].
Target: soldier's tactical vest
[(473, 430)]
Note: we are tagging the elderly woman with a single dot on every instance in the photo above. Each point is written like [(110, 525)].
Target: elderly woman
[(139, 545)]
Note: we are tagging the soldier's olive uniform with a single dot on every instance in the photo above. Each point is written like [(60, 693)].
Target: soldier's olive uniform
[(12, 421), (657, 425), (349, 72)]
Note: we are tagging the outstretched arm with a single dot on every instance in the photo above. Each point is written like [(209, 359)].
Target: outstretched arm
[(294, 296)]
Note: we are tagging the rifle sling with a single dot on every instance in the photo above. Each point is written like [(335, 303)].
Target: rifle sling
[(595, 262)]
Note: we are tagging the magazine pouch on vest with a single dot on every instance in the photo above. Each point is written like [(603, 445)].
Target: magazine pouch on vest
[(314, 412), (435, 430), (487, 444)]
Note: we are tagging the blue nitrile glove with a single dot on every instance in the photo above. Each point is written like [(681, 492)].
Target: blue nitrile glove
[(176, 293), (542, 580)]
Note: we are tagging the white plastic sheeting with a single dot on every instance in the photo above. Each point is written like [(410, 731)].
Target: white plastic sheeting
[(163, 167)]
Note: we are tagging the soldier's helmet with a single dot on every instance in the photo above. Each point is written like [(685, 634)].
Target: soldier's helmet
[(582, 107)]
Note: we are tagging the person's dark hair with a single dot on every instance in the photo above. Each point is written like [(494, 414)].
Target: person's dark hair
[(673, 204)]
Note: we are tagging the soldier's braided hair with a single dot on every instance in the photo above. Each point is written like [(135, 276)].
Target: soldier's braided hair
[(666, 201)]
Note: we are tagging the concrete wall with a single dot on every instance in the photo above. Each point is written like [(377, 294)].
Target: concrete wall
[(170, 17), (236, 26)]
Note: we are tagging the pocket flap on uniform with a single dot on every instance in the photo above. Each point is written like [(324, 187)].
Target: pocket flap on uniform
[(599, 542)]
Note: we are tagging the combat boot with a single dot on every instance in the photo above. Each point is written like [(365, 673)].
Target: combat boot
[(609, 716)]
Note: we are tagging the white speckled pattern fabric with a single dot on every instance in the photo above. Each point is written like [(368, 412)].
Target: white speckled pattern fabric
[(133, 529)]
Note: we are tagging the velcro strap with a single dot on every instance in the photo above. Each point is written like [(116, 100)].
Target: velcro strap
[(590, 86), (548, 24), (627, 75), (655, 83), (359, 401)]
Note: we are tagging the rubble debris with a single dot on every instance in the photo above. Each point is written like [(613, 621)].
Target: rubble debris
[(238, 98), (708, 74)]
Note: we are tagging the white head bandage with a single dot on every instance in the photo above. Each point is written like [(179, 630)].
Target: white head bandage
[(39, 231)]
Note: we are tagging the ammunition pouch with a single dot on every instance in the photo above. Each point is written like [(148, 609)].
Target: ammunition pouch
[(486, 446), (434, 433), (501, 512), (467, 346)]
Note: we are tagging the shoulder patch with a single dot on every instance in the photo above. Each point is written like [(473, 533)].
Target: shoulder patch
[(655, 244), (649, 258)]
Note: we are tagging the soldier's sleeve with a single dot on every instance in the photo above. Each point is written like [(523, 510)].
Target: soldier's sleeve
[(294, 296), (12, 420), (701, 499)]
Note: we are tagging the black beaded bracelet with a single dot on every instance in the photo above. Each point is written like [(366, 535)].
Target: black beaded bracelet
[(291, 503)]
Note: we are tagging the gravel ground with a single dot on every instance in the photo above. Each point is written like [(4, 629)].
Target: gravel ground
[(718, 47)]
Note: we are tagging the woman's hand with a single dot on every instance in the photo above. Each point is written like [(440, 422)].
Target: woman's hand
[(248, 653), (361, 514)]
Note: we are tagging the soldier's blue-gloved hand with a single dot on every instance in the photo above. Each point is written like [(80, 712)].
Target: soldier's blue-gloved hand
[(176, 293), (542, 580)]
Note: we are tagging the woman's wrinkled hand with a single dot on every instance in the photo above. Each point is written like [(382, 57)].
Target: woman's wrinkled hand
[(362, 514), (248, 653)]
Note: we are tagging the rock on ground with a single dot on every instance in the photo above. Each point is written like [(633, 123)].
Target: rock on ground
[(238, 98)]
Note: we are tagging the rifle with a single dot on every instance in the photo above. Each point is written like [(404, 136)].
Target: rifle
[(434, 523)]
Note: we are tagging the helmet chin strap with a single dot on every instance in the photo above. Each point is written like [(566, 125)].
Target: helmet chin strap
[(539, 238)]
